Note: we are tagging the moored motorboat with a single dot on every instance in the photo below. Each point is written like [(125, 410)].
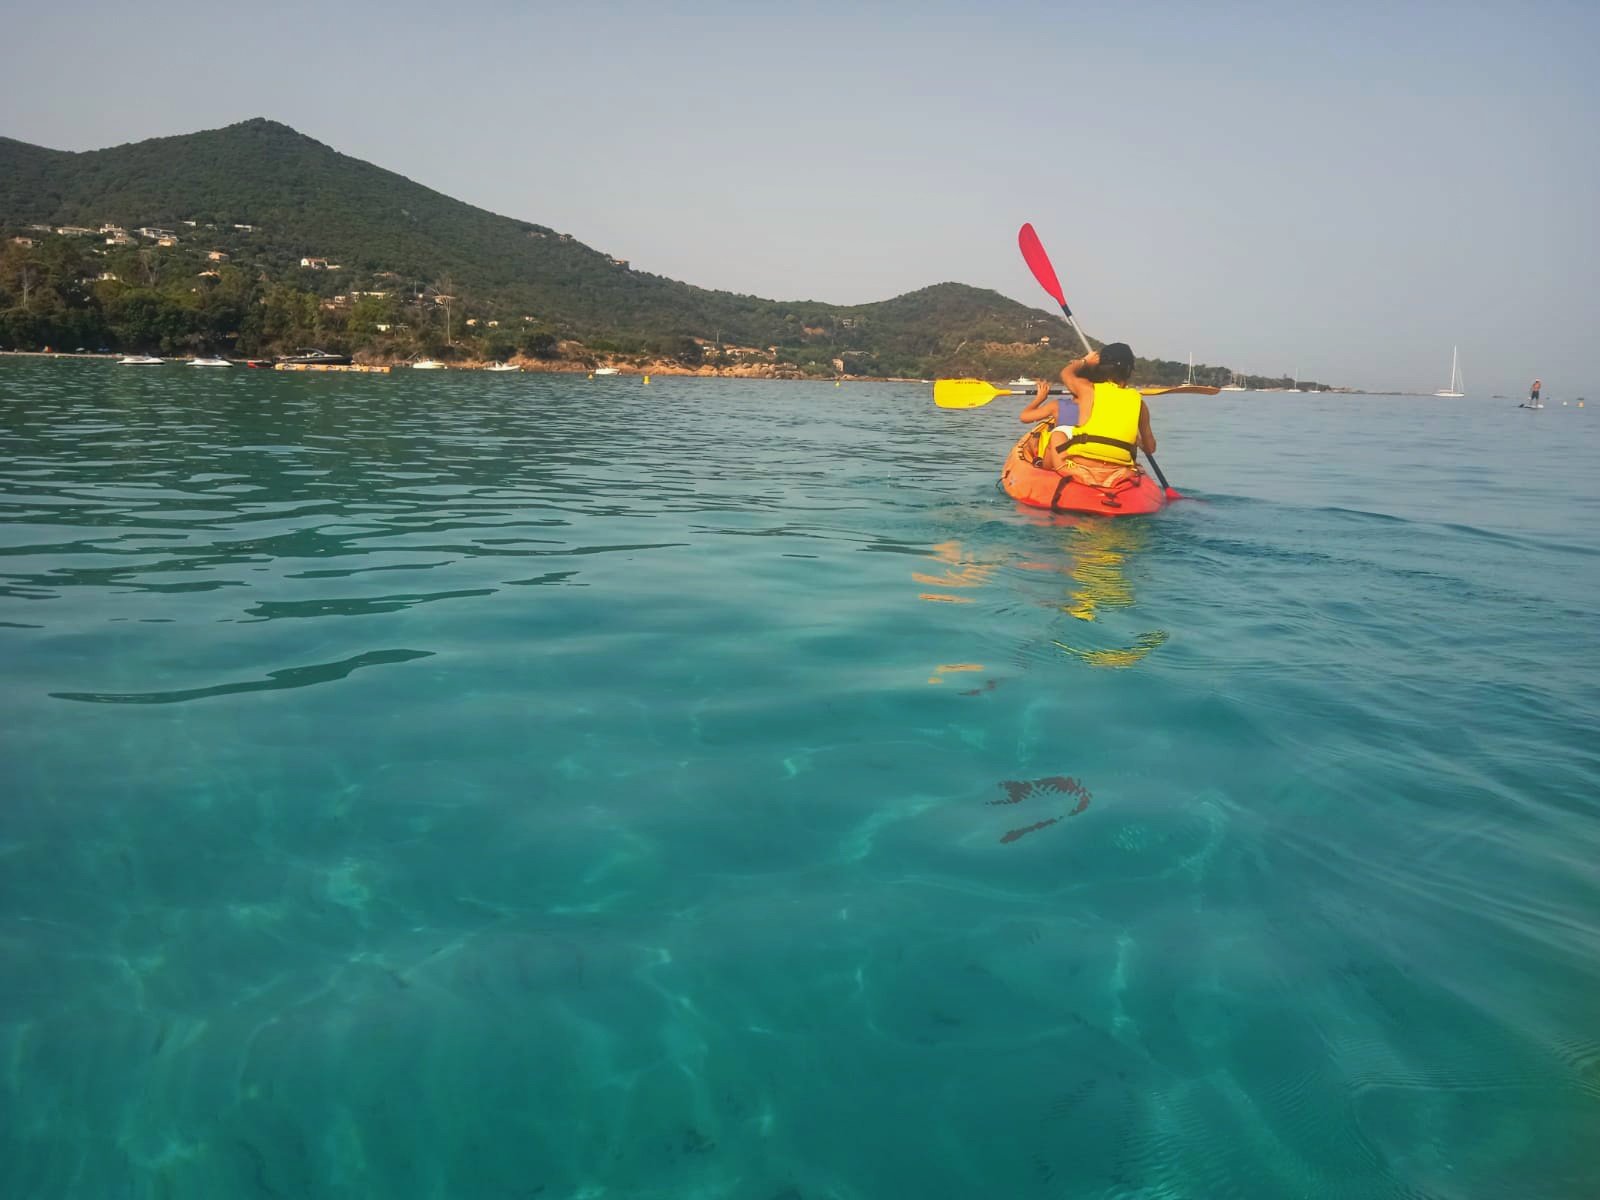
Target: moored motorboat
[(500, 367), (139, 360), (209, 362), (427, 364), (317, 358), (1028, 483)]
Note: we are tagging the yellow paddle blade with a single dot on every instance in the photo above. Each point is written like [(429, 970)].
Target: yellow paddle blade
[(965, 393), (975, 393)]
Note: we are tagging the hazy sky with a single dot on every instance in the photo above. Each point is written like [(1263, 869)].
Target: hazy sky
[(1343, 191)]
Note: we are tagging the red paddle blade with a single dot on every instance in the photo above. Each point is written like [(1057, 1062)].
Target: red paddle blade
[(1039, 263)]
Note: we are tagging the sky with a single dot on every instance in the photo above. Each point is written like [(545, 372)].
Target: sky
[(1339, 192)]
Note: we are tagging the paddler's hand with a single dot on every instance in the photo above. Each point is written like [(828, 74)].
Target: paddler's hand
[(1042, 393)]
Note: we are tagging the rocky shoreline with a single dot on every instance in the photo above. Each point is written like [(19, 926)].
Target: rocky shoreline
[(542, 366)]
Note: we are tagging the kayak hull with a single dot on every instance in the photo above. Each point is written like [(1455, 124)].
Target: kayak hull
[(1032, 485)]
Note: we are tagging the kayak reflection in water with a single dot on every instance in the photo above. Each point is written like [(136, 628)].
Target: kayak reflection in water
[(1112, 420), (1096, 554)]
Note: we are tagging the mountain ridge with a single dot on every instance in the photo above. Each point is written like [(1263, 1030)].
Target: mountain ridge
[(271, 199)]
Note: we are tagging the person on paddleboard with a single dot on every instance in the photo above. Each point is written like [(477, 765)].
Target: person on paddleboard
[(1533, 392), (1112, 423)]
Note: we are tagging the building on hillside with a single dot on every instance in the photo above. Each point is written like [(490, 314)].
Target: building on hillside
[(19, 240), (192, 224), (119, 239), (108, 277), (42, 228), (74, 231), (217, 256), (314, 264), (618, 262), (245, 228), (209, 275), (110, 228), (493, 324), (167, 241), (155, 233)]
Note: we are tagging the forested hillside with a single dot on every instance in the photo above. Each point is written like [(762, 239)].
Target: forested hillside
[(274, 240)]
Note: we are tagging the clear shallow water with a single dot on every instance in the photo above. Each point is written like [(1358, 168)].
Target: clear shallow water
[(395, 807)]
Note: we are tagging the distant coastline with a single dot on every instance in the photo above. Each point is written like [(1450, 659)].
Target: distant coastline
[(205, 244)]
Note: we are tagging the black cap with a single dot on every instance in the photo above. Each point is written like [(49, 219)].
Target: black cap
[(1116, 354)]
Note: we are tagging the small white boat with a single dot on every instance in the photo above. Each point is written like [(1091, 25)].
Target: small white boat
[(1233, 385), (1023, 381), (607, 371), (427, 364), (498, 367), (1457, 380), (139, 360), (209, 362)]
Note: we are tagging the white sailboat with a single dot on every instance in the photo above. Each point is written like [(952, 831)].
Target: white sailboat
[(1233, 385), (1294, 383), (1457, 380)]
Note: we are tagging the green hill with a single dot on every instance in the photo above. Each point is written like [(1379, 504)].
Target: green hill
[(415, 271)]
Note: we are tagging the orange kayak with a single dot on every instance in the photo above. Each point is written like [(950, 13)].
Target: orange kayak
[(1040, 488)]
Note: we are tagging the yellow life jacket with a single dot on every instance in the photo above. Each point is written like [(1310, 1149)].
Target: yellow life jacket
[(1112, 431)]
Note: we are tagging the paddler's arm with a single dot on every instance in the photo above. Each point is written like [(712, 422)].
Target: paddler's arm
[(1043, 408), (1082, 389), (1147, 437)]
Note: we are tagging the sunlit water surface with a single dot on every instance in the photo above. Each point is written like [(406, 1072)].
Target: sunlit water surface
[(499, 787)]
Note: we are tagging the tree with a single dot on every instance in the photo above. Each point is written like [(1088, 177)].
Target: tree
[(443, 294), (539, 343)]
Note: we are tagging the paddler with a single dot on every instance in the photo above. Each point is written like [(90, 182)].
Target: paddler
[(1533, 392), (1112, 420)]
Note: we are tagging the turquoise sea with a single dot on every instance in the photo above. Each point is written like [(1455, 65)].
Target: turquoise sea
[(504, 787)]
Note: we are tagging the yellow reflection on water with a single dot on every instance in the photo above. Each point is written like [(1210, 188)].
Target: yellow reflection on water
[(1116, 659), (1097, 552), (962, 573), (1096, 555)]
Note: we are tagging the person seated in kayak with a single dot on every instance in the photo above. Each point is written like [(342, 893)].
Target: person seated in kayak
[(1112, 421)]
